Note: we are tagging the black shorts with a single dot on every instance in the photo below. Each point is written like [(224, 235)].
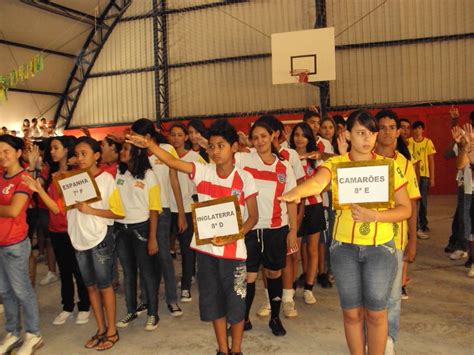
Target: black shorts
[(267, 247), (222, 288), (314, 220)]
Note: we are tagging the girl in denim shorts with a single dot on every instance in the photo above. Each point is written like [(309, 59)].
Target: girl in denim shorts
[(362, 253)]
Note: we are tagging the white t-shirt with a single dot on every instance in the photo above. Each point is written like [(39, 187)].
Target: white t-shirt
[(139, 196), (188, 189), (292, 157), (162, 173), (87, 231), (209, 186), (272, 181)]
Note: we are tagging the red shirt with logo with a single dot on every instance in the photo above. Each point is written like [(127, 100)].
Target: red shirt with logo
[(57, 222), (13, 230)]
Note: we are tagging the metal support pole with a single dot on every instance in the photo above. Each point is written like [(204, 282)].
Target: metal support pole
[(320, 22)]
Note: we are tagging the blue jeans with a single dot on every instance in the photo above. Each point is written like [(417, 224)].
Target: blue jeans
[(96, 264), (423, 203), (395, 299), (165, 265), (364, 274), (16, 289), (132, 249), (188, 256)]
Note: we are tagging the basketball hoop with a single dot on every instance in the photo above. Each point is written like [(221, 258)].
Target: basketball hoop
[(302, 74)]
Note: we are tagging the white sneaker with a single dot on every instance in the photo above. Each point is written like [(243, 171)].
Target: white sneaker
[(151, 323), (422, 235), (49, 278), (289, 309), (389, 347), (62, 318), (458, 255), (9, 343), (31, 344), (471, 271), (186, 296), (264, 310), (309, 297), (82, 317)]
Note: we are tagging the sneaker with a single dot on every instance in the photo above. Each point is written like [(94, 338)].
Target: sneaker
[(152, 323), (141, 308), (404, 293), (422, 235), (31, 343), (82, 317), (276, 327), (175, 310), (49, 278), (471, 272), (458, 255), (389, 347), (62, 318), (309, 297), (125, 321), (247, 325), (186, 296), (264, 310), (323, 280), (289, 309), (449, 248), (9, 343)]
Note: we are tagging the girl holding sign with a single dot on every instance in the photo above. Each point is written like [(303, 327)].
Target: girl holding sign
[(61, 150), (275, 233), (15, 249), (362, 252)]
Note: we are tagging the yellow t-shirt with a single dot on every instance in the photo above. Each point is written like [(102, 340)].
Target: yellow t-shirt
[(365, 233), (401, 228), (420, 152)]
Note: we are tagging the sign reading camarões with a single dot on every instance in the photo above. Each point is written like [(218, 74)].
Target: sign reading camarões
[(366, 183), (218, 218), (77, 186)]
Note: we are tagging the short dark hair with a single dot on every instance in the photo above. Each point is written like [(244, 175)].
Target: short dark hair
[(14, 142), (111, 141), (390, 114), (364, 118), (308, 114), (417, 124), (34, 120), (181, 126), (222, 128), (339, 120), (405, 120), (272, 121)]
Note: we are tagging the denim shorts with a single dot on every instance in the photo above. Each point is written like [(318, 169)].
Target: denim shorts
[(364, 274), (96, 264)]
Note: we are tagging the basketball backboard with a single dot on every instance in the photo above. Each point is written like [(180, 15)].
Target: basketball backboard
[(312, 51)]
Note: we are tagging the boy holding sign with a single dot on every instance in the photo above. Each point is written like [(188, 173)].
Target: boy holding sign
[(221, 266)]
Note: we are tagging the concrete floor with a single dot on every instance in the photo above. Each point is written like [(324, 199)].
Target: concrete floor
[(438, 318)]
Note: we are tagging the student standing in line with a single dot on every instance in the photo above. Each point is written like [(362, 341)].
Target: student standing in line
[(221, 266), (197, 132), (178, 138), (136, 233), (390, 145), (363, 252), (15, 249), (90, 226), (62, 149)]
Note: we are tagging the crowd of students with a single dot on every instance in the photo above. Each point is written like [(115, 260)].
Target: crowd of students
[(282, 181)]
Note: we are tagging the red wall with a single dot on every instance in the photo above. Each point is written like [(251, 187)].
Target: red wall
[(437, 127)]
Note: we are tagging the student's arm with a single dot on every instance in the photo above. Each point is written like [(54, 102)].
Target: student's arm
[(431, 163), (16, 205), (152, 242), (37, 186), (310, 187), (292, 239), (178, 196), (85, 208), (251, 221), (146, 142), (401, 211), (410, 251)]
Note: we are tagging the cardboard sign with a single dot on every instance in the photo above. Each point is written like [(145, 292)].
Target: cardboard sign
[(366, 183), (77, 186), (219, 218)]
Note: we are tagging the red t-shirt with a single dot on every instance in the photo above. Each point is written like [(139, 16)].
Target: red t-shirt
[(13, 230), (110, 168), (57, 222)]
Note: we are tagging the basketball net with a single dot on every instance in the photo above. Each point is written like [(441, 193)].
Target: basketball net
[(301, 74)]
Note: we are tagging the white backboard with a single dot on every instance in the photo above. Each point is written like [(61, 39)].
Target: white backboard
[(312, 50)]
